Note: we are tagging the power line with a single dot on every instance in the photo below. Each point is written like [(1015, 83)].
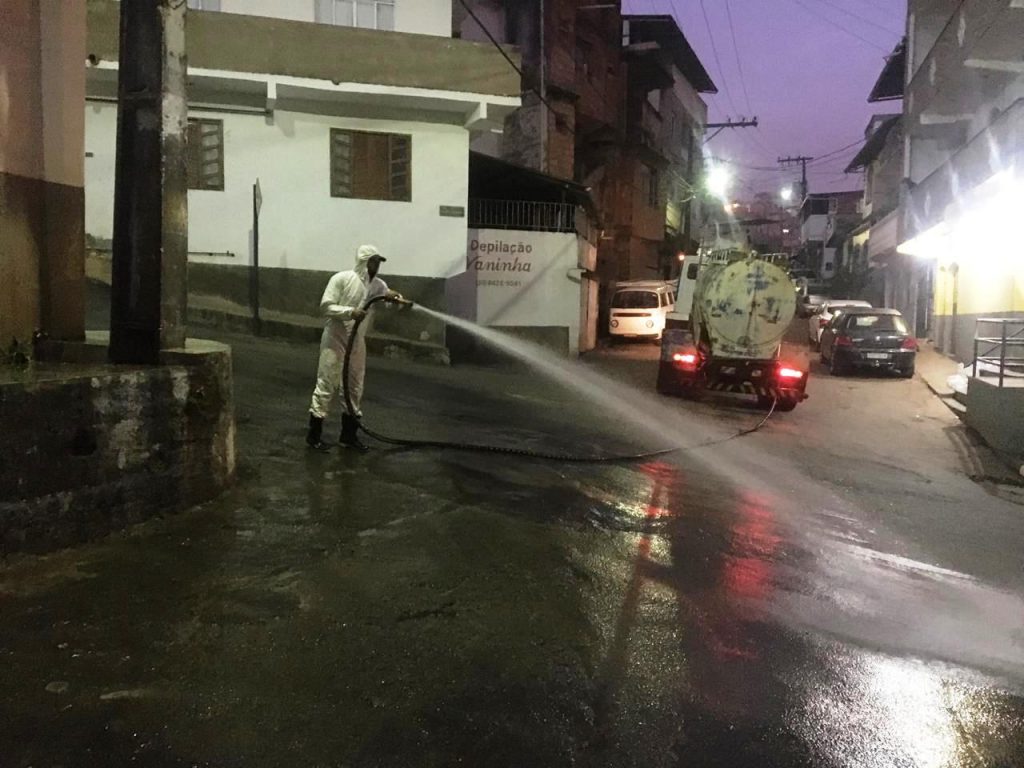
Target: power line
[(858, 17), (754, 138), (736, 51), (850, 32), (497, 45), (887, 9), (714, 49), (839, 151)]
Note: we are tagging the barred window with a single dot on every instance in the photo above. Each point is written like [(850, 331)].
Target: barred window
[(371, 166), (204, 153)]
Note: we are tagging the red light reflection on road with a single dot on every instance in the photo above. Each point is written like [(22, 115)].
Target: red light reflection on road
[(747, 570)]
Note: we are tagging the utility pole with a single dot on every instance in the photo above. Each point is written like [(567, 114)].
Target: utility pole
[(150, 249), (730, 123), (784, 161), (544, 117)]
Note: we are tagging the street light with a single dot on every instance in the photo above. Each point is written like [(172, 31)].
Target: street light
[(787, 194), (718, 181)]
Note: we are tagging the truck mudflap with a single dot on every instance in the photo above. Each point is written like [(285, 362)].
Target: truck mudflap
[(685, 368)]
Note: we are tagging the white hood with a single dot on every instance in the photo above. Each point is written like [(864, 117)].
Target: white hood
[(363, 256)]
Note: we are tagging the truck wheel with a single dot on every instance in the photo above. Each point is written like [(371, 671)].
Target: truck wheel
[(785, 404)]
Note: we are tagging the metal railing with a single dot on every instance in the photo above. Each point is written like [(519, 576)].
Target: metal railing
[(999, 348), (522, 214)]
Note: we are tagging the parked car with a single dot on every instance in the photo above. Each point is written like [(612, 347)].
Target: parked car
[(862, 337), (638, 309), (808, 304), (816, 323)]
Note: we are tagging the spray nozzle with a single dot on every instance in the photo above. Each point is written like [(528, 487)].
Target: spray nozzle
[(403, 302)]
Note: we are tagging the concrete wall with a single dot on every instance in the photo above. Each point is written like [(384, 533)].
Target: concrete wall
[(42, 82), (301, 226), (998, 415), (90, 449)]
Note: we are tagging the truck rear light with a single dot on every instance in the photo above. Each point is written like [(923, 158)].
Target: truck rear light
[(909, 343), (790, 373), (844, 341), (685, 359)]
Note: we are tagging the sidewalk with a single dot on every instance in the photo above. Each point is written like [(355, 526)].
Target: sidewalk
[(990, 466), (935, 368)]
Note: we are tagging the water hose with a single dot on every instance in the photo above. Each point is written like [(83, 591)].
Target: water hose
[(508, 451)]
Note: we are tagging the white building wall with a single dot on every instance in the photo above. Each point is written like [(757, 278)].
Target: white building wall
[(424, 17), (528, 279), (814, 227), (301, 225)]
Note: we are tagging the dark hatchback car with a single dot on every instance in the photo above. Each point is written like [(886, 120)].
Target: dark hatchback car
[(864, 337)]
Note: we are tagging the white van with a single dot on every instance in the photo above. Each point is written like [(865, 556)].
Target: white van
[(638, 309)]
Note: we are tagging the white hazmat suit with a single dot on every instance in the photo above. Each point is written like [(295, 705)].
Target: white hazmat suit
[(345, 293)]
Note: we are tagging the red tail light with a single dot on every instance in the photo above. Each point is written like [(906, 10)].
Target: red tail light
[(685, 359), (909, 343), (790, 373), (822, 322), (844, 341)]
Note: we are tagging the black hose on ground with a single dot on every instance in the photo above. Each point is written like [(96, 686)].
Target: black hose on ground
[(481, 448)]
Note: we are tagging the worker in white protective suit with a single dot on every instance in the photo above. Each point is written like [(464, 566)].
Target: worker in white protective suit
[(343, 304)]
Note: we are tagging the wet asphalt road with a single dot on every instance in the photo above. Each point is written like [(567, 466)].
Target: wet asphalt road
[(829, 591)]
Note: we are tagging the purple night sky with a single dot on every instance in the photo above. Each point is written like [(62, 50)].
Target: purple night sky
[(807, 67)]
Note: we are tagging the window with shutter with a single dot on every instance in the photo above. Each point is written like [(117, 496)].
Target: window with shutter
[(371, 166), (204, 152)]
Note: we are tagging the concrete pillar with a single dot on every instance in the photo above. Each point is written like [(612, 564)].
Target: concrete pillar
[(42, 150), (150, 249)]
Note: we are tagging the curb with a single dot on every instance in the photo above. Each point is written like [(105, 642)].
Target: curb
[(948, 398)]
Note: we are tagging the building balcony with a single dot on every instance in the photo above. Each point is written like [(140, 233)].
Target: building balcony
[(259, 63), (998, 147), (973, 67)]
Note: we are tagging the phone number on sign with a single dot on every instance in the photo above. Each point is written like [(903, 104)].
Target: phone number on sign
[(501, 283)]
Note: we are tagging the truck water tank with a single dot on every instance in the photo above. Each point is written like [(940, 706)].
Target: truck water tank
[(743, 309)]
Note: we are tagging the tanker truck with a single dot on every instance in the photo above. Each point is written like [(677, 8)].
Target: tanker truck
[(728, 338)]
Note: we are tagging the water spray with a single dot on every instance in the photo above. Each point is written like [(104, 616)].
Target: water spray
[(406, 304)]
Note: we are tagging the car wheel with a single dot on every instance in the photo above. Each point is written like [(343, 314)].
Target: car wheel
[(908, 372), (785, 404), (835, 367)]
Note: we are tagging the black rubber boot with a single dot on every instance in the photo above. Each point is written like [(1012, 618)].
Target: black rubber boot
[(350, 433), (315, 434)]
